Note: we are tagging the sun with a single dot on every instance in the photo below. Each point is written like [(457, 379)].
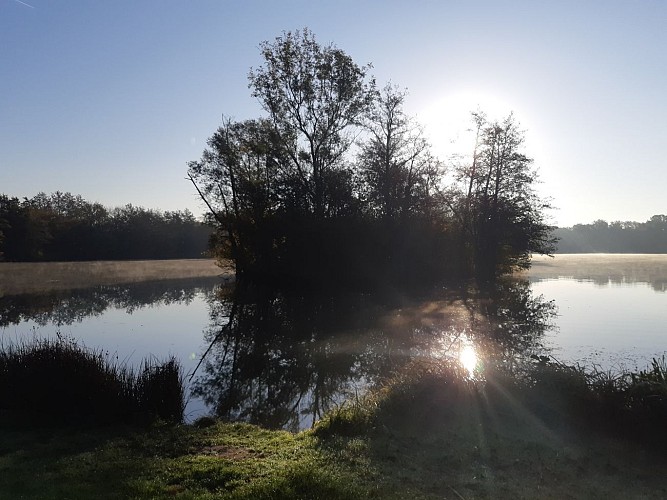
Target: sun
[(447, 119)]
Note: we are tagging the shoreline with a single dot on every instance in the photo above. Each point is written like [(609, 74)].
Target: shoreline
[(18, 278)]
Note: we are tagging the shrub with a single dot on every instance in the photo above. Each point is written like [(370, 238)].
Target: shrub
[(60, 381)]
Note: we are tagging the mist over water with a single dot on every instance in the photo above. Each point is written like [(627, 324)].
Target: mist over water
[(612, 308), (282, 360)]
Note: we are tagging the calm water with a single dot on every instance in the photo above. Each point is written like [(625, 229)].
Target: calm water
[(612, 309), (282, 360)]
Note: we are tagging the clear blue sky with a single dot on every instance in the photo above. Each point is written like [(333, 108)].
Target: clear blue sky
[(110, 100)]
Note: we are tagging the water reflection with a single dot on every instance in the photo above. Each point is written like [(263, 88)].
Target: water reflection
[(468, 359), (603, 269), (612, 312), (282, 360), (65, 307)]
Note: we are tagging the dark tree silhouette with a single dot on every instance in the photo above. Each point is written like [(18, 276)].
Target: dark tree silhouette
[(400, 175), (293, 204), (314, 95), (241, 179), (65, 227), (615, 237), (501, 218)]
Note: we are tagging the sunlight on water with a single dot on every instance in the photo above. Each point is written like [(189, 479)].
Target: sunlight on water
[(457, 346), (468, 359)]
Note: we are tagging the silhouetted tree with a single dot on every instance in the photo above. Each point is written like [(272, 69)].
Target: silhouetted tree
[(292, 204), (281, 189), (399, 173), (242, 180), (64, 227), (313, 94), (26, 234), (400, 182), (502, 219), (4, 225)]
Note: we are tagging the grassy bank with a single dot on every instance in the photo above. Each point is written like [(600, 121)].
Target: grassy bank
[(21, 277), (430, 433)]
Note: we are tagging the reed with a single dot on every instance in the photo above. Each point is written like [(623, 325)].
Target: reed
[(631, 404), (60, 381)]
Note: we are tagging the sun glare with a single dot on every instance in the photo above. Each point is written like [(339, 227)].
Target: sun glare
[(446, 120), (468, 359)]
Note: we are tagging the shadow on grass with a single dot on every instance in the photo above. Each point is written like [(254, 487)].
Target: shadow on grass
[(430, 432), (555, 431)]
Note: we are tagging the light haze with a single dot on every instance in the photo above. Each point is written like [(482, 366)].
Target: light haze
[(110, 100)]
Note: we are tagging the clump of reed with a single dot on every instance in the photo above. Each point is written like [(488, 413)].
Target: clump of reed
[(59, 381), (629, 403), (626, 404)]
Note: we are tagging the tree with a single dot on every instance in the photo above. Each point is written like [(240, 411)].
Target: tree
[(502, 220), (293, 205), (314, 95), (26, 230), (4, 225), (279, 187), (241, 179), (399, 172)]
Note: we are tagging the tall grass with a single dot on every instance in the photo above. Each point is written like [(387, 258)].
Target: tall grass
[(60, 381), (626, 404), (633, 404)]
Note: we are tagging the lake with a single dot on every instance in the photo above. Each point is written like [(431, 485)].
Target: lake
[(282, 360), (612, 308)]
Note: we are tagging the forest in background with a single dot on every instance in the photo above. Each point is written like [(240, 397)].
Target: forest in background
[(65, 227), (614, 237)]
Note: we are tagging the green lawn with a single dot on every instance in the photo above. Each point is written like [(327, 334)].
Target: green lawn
[(423, 436)]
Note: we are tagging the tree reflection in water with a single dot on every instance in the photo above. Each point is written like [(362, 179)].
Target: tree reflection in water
[(65, 307), (282, 360)]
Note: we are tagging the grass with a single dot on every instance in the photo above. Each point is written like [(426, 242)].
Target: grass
[(233, 461), (430, 432), (632, 405), (54, 381)]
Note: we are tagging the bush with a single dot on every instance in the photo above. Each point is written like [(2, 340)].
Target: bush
[(60, 381)]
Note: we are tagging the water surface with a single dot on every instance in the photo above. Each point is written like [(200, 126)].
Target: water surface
[(282, 360), (612, 308)]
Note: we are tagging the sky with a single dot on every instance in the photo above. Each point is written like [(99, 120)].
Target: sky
[(110, 100)]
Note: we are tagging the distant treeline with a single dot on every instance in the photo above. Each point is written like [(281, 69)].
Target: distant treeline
[(65, 227), (615, 237)]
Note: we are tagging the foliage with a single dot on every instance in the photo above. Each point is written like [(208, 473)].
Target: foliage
[(55, 381), (615, 237), (429, 433), (627, 403), (221, 461), (501, 219), (64, 227), (244, 188), (399, 173), (338, 185), (314, 95)]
